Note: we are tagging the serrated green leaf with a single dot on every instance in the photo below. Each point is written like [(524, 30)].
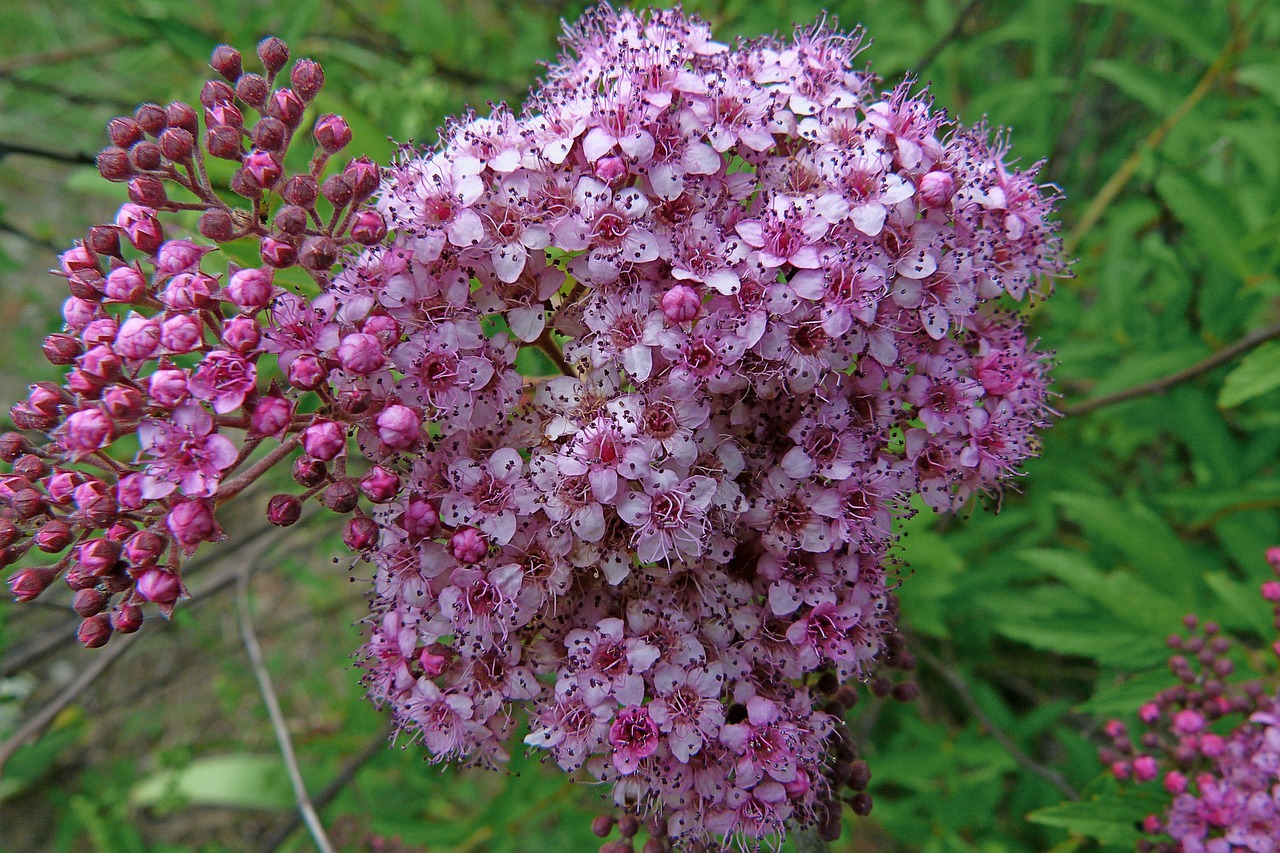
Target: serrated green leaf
[(1138, 82), (232, 781), (1244, 606), (1256, 375), (1111, 820)]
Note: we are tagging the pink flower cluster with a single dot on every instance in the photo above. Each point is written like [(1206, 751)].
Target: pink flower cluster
[(641, 377), (1224, 783), (769, 294)]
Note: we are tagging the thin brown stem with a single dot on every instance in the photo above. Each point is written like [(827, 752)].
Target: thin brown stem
[(239, 483), (1158, 386), (548, 345)]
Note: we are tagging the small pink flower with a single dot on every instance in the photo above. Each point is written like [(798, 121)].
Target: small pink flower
[(634, 737)]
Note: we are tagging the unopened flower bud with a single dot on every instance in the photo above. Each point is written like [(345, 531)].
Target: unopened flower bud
[(602, 825), (124, 131), (89, 601), (151, 118), (861, 803), (363, 176), (215, 92), (126, 618), (250, 290), (341, 496), (306, 372), (324, 440), (97, 556), (271, 415), (223, 142), (269, 134), (181, 333), (123, 403), (309, 472), (611, 169), (159, 585), (168, 386), (273, 53), (360, 533), (285, 105), (380, 485), (242, 335), (468, 545), (332, 133), (145, 547), (192, 522), (937, 188), (113, 164), (177, 144), (182, 116), (148, 191), (217, 225), (398, 427), (95, 631), (278, 253), (224, 115), (12, 444), (86, 431), (141, 226), (27, 584), (291, 219), (263, 168), (301, 190), (681, 304), (284, 510), (628, 826), (62, 349), (103, 240), (307, 78), (368, 227), (226, 61), (253, 90), (361, 354), (337, 190), (318, 253), (146, 157)]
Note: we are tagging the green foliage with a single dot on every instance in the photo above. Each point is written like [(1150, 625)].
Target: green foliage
[(1050, 613)]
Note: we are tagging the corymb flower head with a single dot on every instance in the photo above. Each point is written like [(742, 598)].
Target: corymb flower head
[(757, 306)]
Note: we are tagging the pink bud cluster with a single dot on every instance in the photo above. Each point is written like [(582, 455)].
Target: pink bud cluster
[(1213, 745), (163, 349), (770, 293)]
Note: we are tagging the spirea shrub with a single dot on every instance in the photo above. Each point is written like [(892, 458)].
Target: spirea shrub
[(621, 392), (1211, 743)]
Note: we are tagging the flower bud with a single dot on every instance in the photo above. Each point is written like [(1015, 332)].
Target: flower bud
[(217, 225), (319, 253), (226, 61), (89, 601), (468, 546), (215, 92), (125, 284), (168, 387), (62, 350), (192, 522), (309, 472), (146, 157), (250, 290), (937, 188), (176, 256), (681, 304), (223, 142), (284, 510), (324, 440), (103, 240), (271, 415), (306, 372), (141, 226), (181, 333), (159, 585), (124, 131), (27, 584), (273, 53), (361, 354), (126, 618), (224, 115), (138, 339), (12, 444), (78, 313), (611, 170), (307, 78), (269, 134), (382, 326), (398, 427), (182, 116), (278, 253), (95, 631), (332, 133), (242, 334), (342, 496), (151, 118), (97, 556), (113, 164), (861, 803), (86, 431), (337, 191), (363, 176), (177, 144), (148, 191), (253, 90), (602, 825), (368, 227), (291, 220), (286, 106), (145, 547), (301, 190), (380, 485), (77, 579), (263, 169), (123, 403), (360, 533)]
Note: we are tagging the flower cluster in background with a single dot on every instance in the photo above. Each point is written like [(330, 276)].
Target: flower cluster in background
[(640, 378), (1214, 745)]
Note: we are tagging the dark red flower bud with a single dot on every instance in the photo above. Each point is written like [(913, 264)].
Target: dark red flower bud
[(318, 253), (113, 164), (243, 184), (263, 169), (332, 133), (224, 115), (602, 825), (342, 496), (253, 89), (145, 547), (95, 631), (126, 618), (223, 142), (861, 803), (368, 227), (274, 54), (337, 191), (84, 384), (277, 253), (148, 192), (13, 444), (859, 775), (9, 533), (27, 584), (226, 61), (628, 826), (25, 418), (307, 78), (151, 118), (97, 556), (269, 134), (364, 177), (301, 190), (88, 602), (104, 240), (216, 92), (30, 467), (284, 510), (54, 536), (183, 116), (146, 156), (77, 578), (177, 144), (217, 225), (309, 472), (360, 533), (123, 131), (291, 220), (62, 349), (27, 503), (286, 106)]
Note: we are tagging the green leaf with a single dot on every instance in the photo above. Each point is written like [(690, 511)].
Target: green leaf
[(1138, 82), (1256, 375), (233, 781), (1110, 820), (1244, 606)]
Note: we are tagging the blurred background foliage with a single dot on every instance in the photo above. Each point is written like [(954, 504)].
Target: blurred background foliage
[(1160, 121)]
